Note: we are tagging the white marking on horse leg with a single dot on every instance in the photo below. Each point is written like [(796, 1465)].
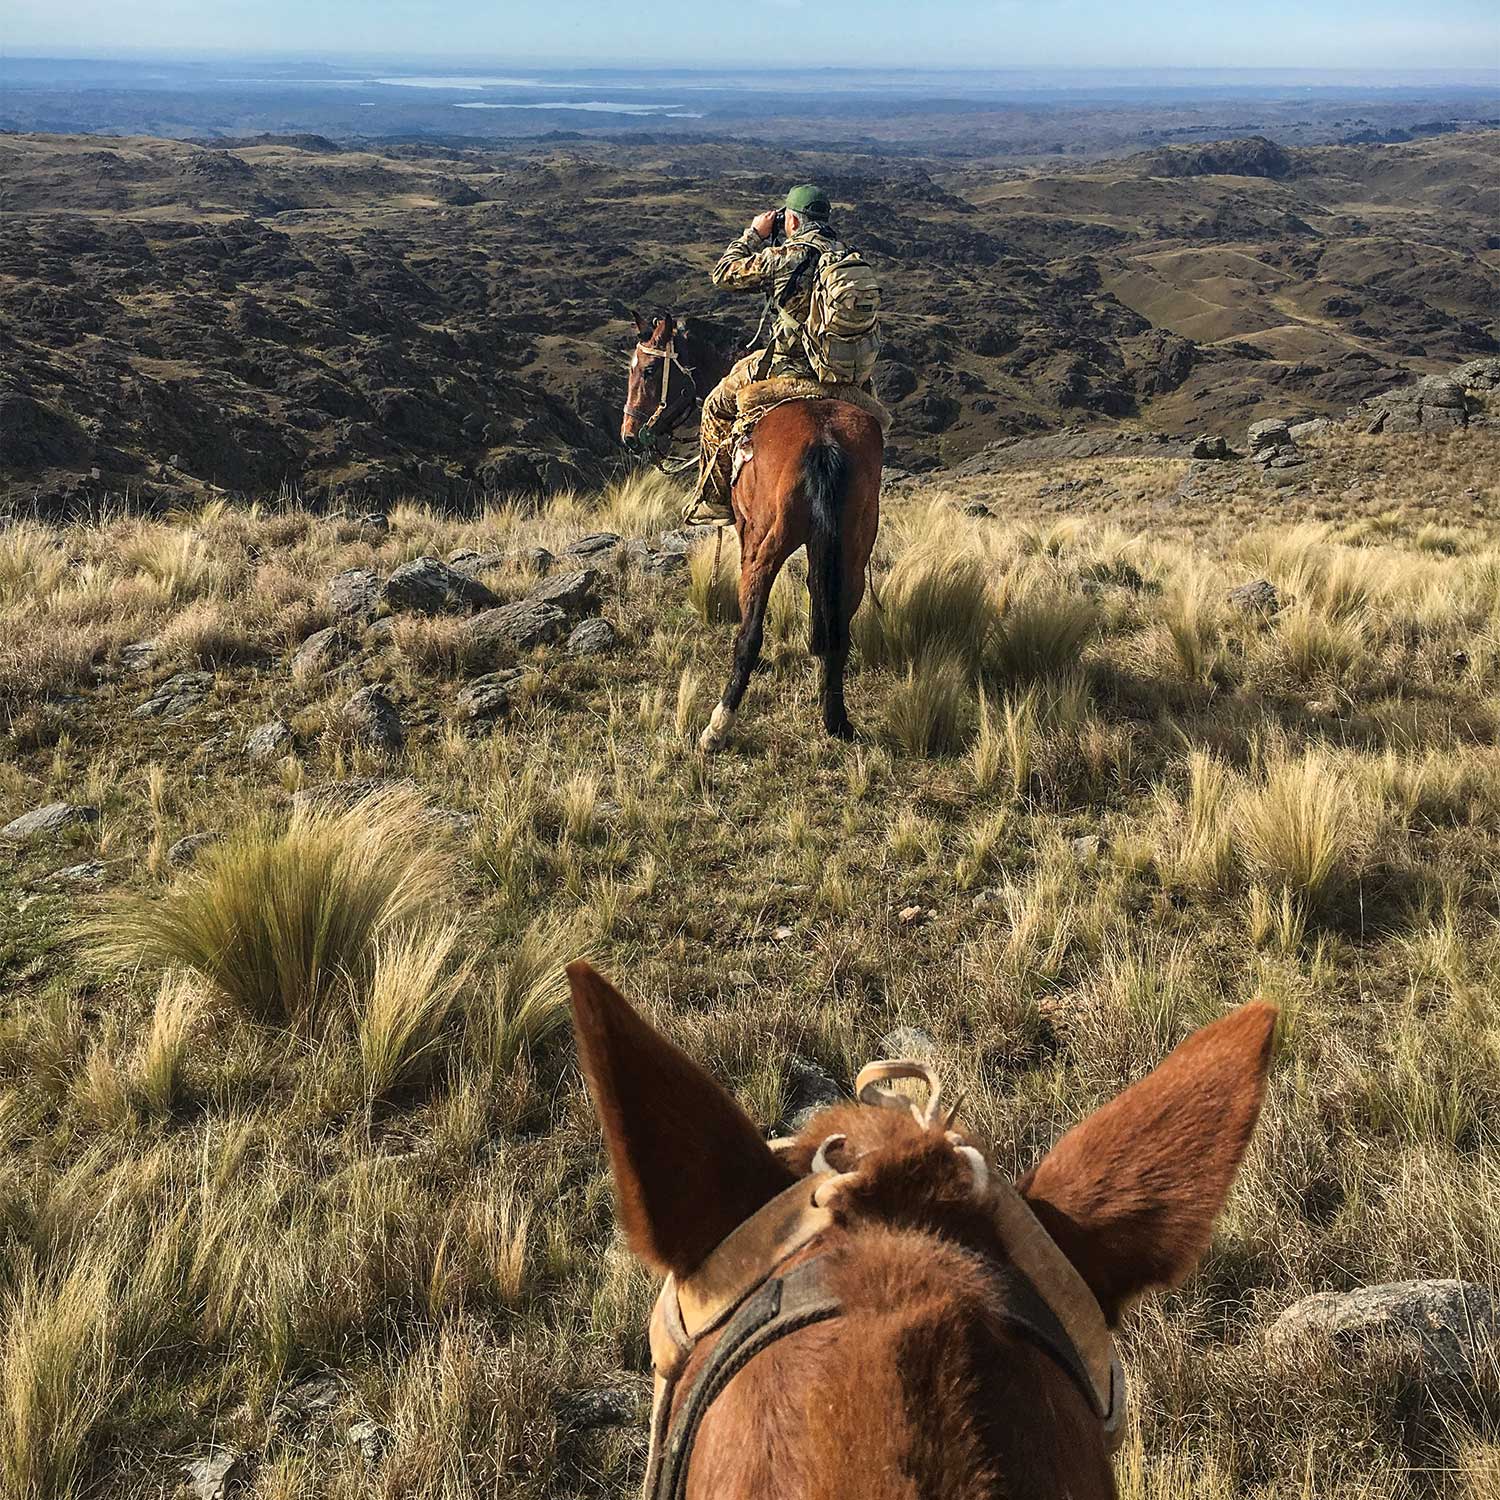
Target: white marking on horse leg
[(717, 732)]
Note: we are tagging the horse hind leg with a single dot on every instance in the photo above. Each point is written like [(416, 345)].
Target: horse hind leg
[(747, 644)]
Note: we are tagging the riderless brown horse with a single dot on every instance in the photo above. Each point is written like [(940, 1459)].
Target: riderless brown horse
[(810, 478), (870, 1311)]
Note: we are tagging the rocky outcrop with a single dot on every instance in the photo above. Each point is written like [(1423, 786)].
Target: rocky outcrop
[(177, 696), (374, 720), (354, 594), (1444, 1327), (1436, 403), (322, 651)]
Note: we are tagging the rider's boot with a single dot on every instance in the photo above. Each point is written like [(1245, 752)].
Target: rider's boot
[(709, 504)]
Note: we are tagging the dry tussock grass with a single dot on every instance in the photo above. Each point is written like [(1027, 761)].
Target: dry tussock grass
[(204, 1195)]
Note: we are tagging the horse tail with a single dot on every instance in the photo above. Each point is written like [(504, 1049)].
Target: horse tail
[(825, 482)]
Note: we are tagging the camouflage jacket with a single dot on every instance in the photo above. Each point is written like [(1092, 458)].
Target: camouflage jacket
[(785, 271)]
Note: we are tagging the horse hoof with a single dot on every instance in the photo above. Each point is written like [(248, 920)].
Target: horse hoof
[(713, 737)]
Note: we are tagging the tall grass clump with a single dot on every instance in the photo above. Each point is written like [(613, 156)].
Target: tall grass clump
[(1040, 633), (526, 1000), (280, 921), (643, 502), (158, 1075), (936, 601), (1296, 829), (927, 709), (714, 579), (414, 983), (57, 1379)]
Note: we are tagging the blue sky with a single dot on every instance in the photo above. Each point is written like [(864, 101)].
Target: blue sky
[(973, 33)]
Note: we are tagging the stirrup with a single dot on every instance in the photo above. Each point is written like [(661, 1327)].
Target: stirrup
[(704, 511)]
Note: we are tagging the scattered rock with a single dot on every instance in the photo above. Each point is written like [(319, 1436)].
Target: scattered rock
[(322, 651), (1087, 848), (1256, 597), (488, 697), (138, 656), (427, 586), (374, 521), (317, 1393), (591, 638), (808, 1090), (1314, 428), (375, 720), (471, 564), (517, 627), (368, 1438), (910, 915), (603, 1406), (1271, 433), (538, 560), (1446, 1327), (176, 697), (270, 741), (1211, 447), (907, 1041), (781, 934), (210, 1478), (977, 509), (85, 874), (596, 544), (189, 847), (575, 594), (41, 822), (354, 594)]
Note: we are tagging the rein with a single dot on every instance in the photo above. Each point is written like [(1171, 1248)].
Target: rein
[(742, 1290), (649, 440)]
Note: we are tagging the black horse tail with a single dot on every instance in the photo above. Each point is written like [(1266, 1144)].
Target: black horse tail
[(825, 482)]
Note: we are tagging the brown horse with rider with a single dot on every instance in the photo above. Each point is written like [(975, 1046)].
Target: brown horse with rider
[(790, 455)]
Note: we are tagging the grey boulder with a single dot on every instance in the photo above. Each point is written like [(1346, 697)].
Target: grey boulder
[(272, 739), (42, 822), (374, 720), (1256, 597), (354, 594), (1446, 1327), (591, 638), (322, 651), (576, 594), (1272, 433), (517, 627), (428, 586), (487, 697), (176, 697)]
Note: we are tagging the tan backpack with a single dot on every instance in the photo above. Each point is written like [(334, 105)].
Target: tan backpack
[(842, 334)]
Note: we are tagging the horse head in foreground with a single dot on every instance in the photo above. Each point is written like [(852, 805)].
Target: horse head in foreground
[(869, 1311)]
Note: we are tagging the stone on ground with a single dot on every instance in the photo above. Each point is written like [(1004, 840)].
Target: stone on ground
[(42, 822), (375, 720), (591, 638), (517, 627)]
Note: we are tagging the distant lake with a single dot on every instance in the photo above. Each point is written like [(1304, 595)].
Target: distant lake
[(598, 107)]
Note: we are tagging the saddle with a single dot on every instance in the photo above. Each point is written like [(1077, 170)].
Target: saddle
[(758, 398)]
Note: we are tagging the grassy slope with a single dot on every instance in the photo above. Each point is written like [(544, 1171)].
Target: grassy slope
[(196, 1211)]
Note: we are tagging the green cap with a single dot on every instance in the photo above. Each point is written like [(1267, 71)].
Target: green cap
[(809, 200)]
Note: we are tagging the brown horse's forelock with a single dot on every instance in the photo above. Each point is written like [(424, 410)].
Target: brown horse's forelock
[(918, 1361)]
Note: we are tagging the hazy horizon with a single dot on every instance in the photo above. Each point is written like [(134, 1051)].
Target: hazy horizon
[(1278, 35)]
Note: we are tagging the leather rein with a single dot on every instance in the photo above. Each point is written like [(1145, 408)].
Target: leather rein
[(649, 439), (746, 1293)]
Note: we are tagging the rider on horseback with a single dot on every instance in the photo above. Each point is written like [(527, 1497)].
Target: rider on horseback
[(785, 270)]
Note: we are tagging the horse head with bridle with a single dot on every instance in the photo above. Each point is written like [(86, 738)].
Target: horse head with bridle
[(810, 477), (871, 1310)]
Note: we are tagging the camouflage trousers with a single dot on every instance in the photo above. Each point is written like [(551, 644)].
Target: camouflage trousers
[(715, 456)]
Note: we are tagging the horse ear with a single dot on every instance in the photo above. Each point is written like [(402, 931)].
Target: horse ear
[(668, 325), (642, 323), (1131, 1193), (688, 1165)]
